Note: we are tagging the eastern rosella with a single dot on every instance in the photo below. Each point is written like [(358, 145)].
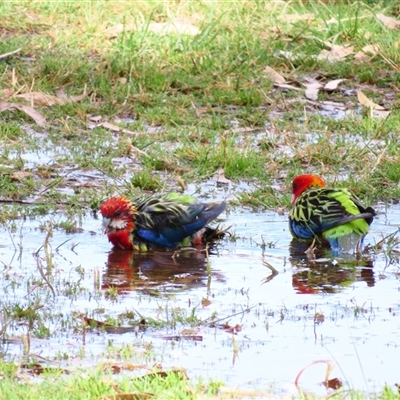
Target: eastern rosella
[(331, 214), (169, 220)]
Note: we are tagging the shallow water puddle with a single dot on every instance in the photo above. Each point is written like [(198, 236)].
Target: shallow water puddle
[(275, 312)]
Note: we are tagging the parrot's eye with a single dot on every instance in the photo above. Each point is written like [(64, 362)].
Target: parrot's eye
[(117, 214)]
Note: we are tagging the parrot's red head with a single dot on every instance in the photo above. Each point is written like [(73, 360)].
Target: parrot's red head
[(304, 182), (118, 214)]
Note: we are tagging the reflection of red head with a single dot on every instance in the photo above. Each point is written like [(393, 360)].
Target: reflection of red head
[(120, 272), (304, 182)]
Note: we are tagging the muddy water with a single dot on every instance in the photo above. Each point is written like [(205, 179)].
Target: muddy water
[(343, 311)]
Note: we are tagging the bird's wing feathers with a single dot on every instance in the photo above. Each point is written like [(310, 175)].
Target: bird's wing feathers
[(168, 219), (317, 211)]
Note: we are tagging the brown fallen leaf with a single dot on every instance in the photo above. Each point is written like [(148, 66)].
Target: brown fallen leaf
[(46, 99), (21, 175), (336, 54), (389, 22), (110, 126), (117, 129), (333, 383), (273, 75), (220, 178), (35, 115), (375, 109), (180, 25), (333, 85), (182, 184), (95, 118), (231, 328), (39, 98), (205, 302), (367, 52), (312, 90), (70, 99), (366, 102), (114, 31)]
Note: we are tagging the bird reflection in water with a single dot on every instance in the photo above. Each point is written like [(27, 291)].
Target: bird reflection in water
[(319, 272), (173, 270)]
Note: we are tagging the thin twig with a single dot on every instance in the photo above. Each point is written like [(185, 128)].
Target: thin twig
[(5, 55), (229, 316)]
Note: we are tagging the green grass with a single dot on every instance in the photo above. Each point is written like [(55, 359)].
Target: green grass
[(194, 86), (106, 381), (16, 383)]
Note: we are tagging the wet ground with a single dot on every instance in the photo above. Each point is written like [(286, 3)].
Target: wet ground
[(276, 312)]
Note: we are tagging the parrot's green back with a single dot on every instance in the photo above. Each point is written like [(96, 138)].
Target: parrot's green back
[(350, 203)]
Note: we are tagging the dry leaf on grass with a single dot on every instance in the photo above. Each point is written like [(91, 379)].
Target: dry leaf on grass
[(115, 30), (111, 127), (366, 102), (312, 90), (367, 52), (180, 25), (205, 302), (274, 76), (389, 22), (45, 99), (35, 115), (21, 175), (336, 54), (333, 85), (40, 99), (376, 110), (220, 178), (117, 129), (95, 118)]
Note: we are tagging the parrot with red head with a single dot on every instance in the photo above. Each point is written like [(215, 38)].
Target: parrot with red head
[(168, 220), (319, 212)]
